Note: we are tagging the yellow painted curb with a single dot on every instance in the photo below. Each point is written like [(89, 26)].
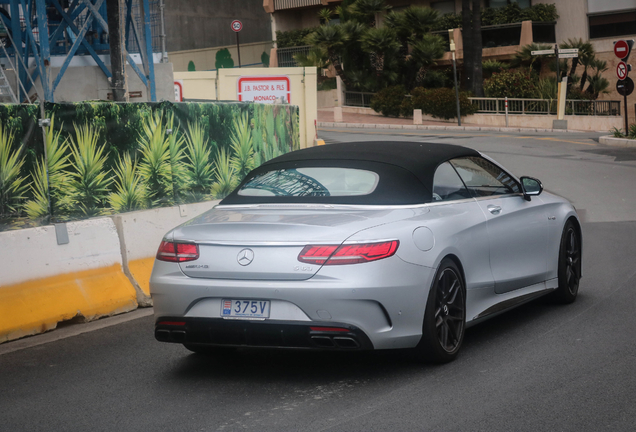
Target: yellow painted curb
[(140, 270), (36, 306)]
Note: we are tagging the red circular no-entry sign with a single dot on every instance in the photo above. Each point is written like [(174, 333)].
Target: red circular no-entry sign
[(621, 70), (237, 26), (621, 49)]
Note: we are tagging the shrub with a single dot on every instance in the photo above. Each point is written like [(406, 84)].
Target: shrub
[(511, 83), (293, 38), (441, 103), (388, 101)]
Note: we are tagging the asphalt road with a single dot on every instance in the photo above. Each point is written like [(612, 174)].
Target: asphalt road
[(539, 367)]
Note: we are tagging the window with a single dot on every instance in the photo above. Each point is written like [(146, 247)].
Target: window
[(444, 7), (447, 185), (612, 24), (503, 3), (311, 181), (483, 178)]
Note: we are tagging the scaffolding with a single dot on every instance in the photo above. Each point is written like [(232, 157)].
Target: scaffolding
[(34, 31)]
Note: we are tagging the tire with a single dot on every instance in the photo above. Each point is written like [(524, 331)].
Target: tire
[(209, 350), (569, 265), (445, 317)]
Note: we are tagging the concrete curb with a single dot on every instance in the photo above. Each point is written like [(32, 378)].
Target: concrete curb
[(617, 142), (441, 127)]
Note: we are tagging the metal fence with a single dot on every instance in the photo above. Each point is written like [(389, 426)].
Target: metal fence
[(358, 99), (286, 55), (546, 106)]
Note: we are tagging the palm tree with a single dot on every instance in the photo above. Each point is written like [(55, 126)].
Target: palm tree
[(325, 15), (424, 53), (586, 51), (332, 38), (420, 20), (378, 42), (591, 62), (525, 57), (365, 11)]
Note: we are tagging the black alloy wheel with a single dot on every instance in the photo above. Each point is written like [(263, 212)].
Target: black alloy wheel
[(445, 318), (569, 265)]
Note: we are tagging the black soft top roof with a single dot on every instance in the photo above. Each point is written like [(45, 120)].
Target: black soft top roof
[(406, 170)]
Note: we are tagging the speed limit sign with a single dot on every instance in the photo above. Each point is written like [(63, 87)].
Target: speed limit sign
[(237, 26)]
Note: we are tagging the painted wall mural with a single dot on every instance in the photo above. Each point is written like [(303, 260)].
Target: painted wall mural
[(105, 158)]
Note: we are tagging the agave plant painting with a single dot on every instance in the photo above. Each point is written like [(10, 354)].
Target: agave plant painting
[(102, 158)]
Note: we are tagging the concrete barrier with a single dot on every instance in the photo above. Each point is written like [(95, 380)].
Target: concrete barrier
[(43, 282), (102, 267), (141, 232)]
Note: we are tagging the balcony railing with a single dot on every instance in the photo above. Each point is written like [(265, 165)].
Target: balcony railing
[(546, 106), (293, 4)]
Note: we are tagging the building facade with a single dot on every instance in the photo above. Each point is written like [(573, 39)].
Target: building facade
[(601, 22)]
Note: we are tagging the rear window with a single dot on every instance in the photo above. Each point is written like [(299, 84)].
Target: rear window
[(311, 182), (330, 182)]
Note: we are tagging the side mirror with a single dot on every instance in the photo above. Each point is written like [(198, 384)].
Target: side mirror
[(531, 187)]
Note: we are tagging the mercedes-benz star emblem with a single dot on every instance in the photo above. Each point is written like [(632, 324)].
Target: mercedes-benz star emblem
[(245, 257)]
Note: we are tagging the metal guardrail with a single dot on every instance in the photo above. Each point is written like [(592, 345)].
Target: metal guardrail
[(546, 106), (358, 99), (286, 55)]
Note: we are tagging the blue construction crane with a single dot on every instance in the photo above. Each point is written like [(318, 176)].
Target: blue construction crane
[(37, 30)]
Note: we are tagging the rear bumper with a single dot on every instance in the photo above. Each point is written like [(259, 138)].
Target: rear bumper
[(279, 334), (385, 299)]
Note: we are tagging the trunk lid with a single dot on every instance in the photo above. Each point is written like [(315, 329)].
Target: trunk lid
[(263, 243)]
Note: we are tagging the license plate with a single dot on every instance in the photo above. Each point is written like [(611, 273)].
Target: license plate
[(231, 308)]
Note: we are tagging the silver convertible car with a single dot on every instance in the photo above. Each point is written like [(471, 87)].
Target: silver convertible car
[(360, 246)]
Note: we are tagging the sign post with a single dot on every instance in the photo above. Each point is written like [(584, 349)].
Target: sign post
[(624, 85), (452, 48), (237, 26)]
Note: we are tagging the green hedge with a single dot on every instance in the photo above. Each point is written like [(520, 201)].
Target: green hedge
[(293, 38), (439, 103), (507, 15)]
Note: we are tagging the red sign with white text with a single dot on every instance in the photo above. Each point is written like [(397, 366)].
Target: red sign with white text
[(621, 49), (264, 89)]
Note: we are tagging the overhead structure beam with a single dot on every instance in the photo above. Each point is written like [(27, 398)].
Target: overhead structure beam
[(96, 15), (69, 22), (76, 44), (29, 26)]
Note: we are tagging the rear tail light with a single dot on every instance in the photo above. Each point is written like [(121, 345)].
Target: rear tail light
[(347, 253), (177, 252)]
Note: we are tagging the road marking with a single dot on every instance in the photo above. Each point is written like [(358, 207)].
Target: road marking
[(426, 132)]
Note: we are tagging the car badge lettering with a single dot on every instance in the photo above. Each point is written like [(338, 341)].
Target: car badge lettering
[(245, 257)]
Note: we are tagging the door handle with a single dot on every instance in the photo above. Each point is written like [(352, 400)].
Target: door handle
[(494, 209)]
